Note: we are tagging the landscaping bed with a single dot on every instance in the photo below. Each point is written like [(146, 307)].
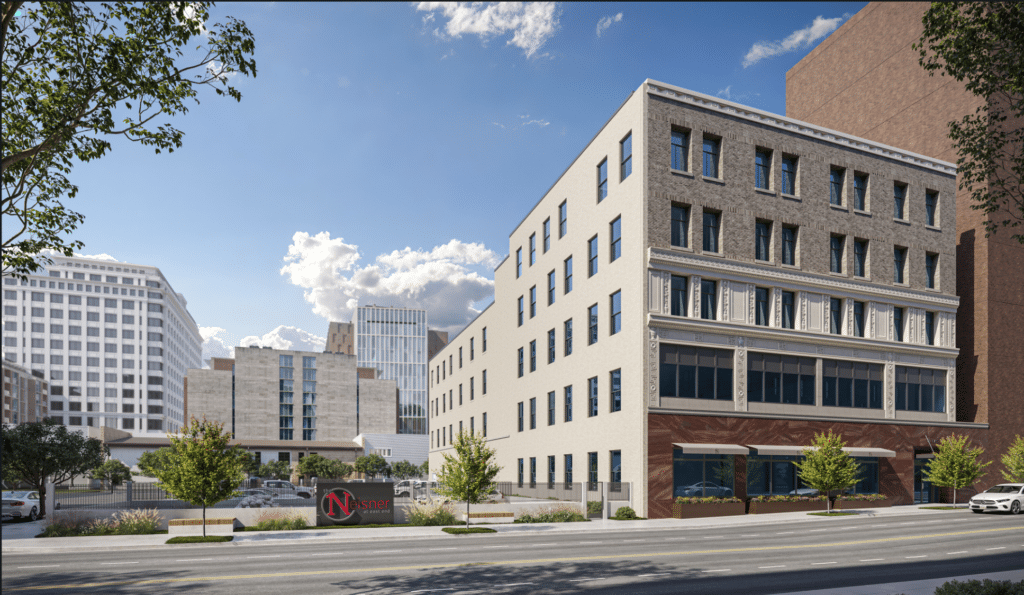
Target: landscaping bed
[(867, 501), (693, 508), (776, 504)]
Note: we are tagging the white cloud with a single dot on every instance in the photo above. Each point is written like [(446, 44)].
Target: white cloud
[(441, 280), (286, 337), (190, 15), (217, 70), (802, 38), (448, 55), (523, 122), (606, 22), (215, 345), (52, 253), (531, 23), (725, 92)]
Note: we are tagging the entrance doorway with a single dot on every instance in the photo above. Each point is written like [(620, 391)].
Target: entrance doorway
[(924, 491)]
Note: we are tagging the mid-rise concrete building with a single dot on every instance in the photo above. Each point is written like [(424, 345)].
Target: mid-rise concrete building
[(114, 340), (705, 288), (26, 394)]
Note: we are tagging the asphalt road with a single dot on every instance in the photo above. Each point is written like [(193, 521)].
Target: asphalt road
[(749, 559)]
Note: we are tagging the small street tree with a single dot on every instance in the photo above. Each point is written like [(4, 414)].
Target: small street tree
[(827, 468), (275, 470), (205, 469), (113, 471), (469, 475), (404, 470), (373, 465), (1013, 461), (153, 461), (321, 467), (35, 451), (425, 469), (955, 464)]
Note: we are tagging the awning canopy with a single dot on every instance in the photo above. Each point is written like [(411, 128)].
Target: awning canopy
[(712, 449), (795, 451)]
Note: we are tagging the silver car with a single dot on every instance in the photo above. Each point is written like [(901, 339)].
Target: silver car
[(1005, 497), (20, 505)]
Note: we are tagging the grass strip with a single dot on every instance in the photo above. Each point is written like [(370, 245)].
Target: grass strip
[(832, 513), (200, 539), (465, 531), (943, 508)]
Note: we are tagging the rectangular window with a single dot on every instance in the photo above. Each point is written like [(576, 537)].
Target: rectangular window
[(551, 287), (680, 225), (551, 472), (533, 249), (533, 355), (533, 413), (533, 301), (711, 149), (835, 185), (931, 264), (616, 469), (860, 258), (851, 384), (592, 468), (551, 408), (592, 255), (836, 253), (899, 198), (616, 390), (761, 306), (519, 262), (615, 320), (551, 346), (626, 153), (789, 165), (858, 319), (533, 471), (520, 311), (460, 358), (592, 314), (568, 275), (762, 240), (789, 245), (860, 191), (616, 239), (899, 261), (931, 204), (521, 356), (920, 389), (762, 168), (568, 403), (678, 296), (835, 318), (472, 341), (483, 382), (897, 324), (592, 397), (711, 227), (484, 428), (568, 470), (483, 339), (520, 472), (708, 294), (695, 372), (563, 218), (787, 309), (779, 378), (521, 415), (472, 389), (929, 328), (547, 235), (680, 146), (602, 180)]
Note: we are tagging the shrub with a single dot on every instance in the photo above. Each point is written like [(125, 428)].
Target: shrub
[(706, 500), (137, 522), (200, 539), (787, 498), (975, 587), (464, 530), (625, 513), (275, 520), (862, 497), (432, 515), (127, 522), (593, 507), (554, 514)]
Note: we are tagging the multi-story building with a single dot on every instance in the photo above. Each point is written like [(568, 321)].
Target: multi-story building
[(114, 340), (705, 288), (341, 338), (26, 394), (865, 79), (292, 396)]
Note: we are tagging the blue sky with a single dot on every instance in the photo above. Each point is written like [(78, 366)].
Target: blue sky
[(384, 152)]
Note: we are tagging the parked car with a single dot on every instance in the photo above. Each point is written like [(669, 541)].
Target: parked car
[(404, 488), (281, 488), (810, 492), (1005, 497), (20, 505), (703, 489)]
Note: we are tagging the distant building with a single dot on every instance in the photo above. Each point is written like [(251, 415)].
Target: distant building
[(341, 338), (395, 447), (436, 340), (26, 395)]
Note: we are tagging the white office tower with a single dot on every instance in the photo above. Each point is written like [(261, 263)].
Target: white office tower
[(394, 341), (113, 339)]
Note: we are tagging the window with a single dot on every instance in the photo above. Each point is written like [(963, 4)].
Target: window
[(787, 309), (616, 468), (483, 382), (789, 245), (836, 253), (568, 403), (616, 239), (762, 168), (680, 148), (483, 338), (789, 164), (778, 378), (626, 153), (551, 287), (519, 262), (592, 468), (551, 472), (568, 470), (860, 258), (533, 248), (592, 314), (858, 319), (533, 471), (520, 310), (602, 180), (568, 275), (533, 413), (568, 337), (616, 390), (835, 185), (711, 148), (563, 218), (711, 221), (551, 346), (521, 362), (521, 414), (851, 384), (931, 264), (520, 472), (931, 203), (761, 306), (899, 197), (680, 225), (899, 261), (920, 389), (592, 397), (533, 355), (695, 372), (929, 328), (860, 191), (708, 290), (547, 235), (460, 358), (678, 296), (460, 394), (615, 321), (484, 429), (533, 301), (762, 240), (551, 408), (592, 255), (702, 475), (472, 388), (897, 324), (835, 316)]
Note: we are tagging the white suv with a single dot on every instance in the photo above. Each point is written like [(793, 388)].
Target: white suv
[(1005, 497), (284, 488)]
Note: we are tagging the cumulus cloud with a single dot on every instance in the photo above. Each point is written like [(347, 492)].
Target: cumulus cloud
[(606, 22), (531, 23), (800, 39), (286, 337), (441, 280), (727, 94), (52, 253), (215, 344)]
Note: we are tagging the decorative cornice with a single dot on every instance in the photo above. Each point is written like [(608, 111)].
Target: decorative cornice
[(816, 132), (816, 283)]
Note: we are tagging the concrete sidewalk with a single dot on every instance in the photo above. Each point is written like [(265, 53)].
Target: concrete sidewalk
[(20, 537)]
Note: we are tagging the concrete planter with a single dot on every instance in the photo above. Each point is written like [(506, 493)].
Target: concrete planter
[(195, 527), (855, 504), (772, 507), (684, 510)]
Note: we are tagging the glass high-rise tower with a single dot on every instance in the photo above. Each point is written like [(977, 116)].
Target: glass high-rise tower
[(394, 341)]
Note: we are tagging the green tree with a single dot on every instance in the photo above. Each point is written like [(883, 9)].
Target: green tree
[(275, 470), (404, 470), (469, 475), (373, 465), (113, 471), (153, 461), (955, 464), (1013, 461), (77, 74), (827, 467), (39, 450), (205, 469), (321, 467), (425, 469), (980, 44), (249, 465)]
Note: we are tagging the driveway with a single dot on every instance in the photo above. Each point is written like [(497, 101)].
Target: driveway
[(21, 529)]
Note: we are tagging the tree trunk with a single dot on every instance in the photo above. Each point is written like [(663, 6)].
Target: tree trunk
[(204, 520), (467, 513)]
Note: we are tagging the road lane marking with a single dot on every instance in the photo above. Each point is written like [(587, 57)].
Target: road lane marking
[(517, 584), (490, 547), (593, 542), (720, 570), (813, 530), (786, 533), (823, 563), (754, 535), (656, 574), (912, 557), (46, 566), (873, 560), (431, 590), (779, 566), (580, 580), (989, 549), (632, 540), (195, 560), (374, 552), (441, 549), (251, 557), (116, 563), (954, 553), (393, 569)]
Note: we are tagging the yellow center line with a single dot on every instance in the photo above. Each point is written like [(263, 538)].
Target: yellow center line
[(392, 569)]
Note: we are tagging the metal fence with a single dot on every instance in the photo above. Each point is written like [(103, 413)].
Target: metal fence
[(132, 495), (570, 492)]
